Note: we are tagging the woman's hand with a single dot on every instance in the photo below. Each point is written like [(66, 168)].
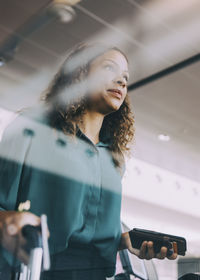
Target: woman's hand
[(146, 251), (11, 223)]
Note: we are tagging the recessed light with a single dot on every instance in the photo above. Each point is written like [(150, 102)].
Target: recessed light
[(164, 137)]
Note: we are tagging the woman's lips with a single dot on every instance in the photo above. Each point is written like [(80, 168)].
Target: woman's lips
[(117, 93)]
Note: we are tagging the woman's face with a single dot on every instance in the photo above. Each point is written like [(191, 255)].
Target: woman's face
[(108, 77)]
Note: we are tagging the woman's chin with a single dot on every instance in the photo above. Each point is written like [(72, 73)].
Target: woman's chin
[(115, 104), (108, 106), (113, 107)]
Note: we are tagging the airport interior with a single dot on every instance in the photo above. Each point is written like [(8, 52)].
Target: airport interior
[(161, 39)]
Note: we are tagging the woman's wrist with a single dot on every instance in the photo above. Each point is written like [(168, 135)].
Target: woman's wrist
[(124, 241)]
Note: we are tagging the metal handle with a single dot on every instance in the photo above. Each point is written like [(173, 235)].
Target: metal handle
[(35, 263), (39, 254)]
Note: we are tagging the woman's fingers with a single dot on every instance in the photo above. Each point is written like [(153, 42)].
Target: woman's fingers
[(12, 238), (150, 250), (162, 254), (25, 218), (174, 254), (143, 250), (147, 252), (22, 256), (12, 229), (13, 241)]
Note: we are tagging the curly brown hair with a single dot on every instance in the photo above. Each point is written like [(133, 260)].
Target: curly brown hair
[(67, 110)]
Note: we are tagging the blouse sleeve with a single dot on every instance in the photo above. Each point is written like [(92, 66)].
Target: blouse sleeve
[(13, 148)]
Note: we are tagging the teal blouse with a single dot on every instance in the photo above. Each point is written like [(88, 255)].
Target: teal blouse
[(71, 180)]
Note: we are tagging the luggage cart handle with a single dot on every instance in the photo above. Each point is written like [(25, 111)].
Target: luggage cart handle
[(37, 244)]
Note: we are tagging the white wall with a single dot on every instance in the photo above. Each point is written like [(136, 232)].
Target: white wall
[(156, 199)]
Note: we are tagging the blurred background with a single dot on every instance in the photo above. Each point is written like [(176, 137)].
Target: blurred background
[(162, 41)]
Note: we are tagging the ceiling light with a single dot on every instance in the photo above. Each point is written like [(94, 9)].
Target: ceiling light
[(65, 13), (164, 137), (66, 2), (2, 61), (63, 9)]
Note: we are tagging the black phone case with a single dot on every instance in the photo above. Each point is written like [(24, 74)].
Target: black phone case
[(159, 239)]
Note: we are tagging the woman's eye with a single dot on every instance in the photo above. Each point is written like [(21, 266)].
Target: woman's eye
[(108, 67), (126, 78)]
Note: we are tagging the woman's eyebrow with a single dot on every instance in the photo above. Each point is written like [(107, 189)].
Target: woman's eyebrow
[(107, 59)]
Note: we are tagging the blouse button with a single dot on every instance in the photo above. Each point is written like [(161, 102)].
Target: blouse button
[(89, 152), (60, 142), (28, 132)]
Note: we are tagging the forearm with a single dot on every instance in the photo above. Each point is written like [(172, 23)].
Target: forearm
[(124, 241)]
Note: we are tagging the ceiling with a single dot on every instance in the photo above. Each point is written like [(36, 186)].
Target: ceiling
[(154, 34)]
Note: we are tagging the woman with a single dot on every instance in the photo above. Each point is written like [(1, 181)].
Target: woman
[(68, 162)]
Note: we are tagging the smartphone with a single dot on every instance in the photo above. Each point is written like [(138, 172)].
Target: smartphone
[(159, 240)]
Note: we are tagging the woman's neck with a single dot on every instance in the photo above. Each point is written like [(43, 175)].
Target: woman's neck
[(91, 125)]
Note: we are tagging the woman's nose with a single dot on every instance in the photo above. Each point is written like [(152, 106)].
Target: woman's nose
[(121, 82)]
